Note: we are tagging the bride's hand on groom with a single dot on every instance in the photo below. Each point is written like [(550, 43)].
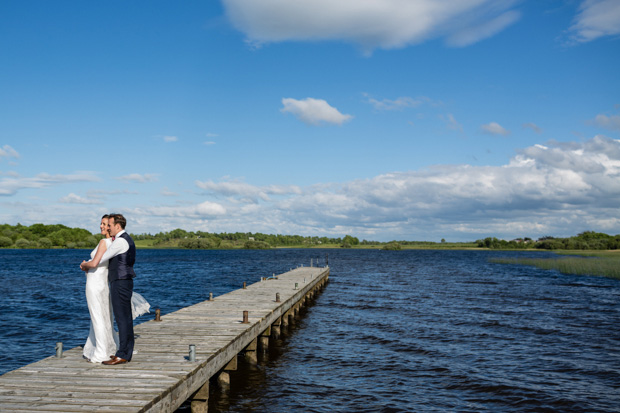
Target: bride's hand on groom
[(84, 266)]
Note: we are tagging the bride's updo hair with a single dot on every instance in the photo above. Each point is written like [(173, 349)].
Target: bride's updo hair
[(106, 216), (119, 219)]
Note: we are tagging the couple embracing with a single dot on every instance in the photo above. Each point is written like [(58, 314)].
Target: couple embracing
[(109, 294)]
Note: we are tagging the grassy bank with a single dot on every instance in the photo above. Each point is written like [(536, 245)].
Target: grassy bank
[(601, 263)]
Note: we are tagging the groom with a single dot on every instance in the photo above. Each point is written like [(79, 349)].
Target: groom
[(122, 256)]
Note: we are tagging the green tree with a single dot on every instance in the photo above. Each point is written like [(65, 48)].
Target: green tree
[(5, 242), (392, 246), (351, 240), (22, 243), (45, 243)]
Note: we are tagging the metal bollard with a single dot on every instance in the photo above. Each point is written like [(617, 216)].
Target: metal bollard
[(158, 315), (59, 349), (244, 285), (210, 296), (277, 297), (296, 285), (245, 318), (192, 352)]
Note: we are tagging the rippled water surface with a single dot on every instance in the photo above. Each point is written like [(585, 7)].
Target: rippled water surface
[(393, 330)]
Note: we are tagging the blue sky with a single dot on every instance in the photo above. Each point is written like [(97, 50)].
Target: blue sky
[(383, 119)]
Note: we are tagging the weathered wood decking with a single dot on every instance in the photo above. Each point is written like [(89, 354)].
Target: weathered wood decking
[(160, 376)]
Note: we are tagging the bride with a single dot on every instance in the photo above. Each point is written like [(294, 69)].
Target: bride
[(102, 339)]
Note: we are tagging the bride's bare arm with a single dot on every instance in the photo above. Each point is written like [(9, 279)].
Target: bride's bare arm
[(101, 249)]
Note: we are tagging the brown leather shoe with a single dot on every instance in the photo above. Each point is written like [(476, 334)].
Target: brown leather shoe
[(114, 361)]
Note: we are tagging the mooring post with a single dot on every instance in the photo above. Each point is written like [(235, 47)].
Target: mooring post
[(210, 296), (245, 317), (59, 349), (277, 297), (244, 285), (192, 352), (158, 315)]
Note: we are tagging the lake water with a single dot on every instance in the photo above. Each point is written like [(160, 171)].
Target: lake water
[(393, 331)]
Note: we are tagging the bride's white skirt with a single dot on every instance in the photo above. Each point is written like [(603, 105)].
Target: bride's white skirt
[(102, 340)]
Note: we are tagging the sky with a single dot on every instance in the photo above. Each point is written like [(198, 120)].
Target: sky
[(382, 119)]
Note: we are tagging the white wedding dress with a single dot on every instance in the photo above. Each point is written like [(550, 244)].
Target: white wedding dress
[(102, 339)]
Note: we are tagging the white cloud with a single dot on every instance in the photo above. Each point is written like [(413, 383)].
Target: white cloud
[(208, 143), (494, 128), (486, 29), (371, 24), (608, 122), (211, 135), (166, 192), (314, 111), (76, 199), (203, 210), (452, 123), (246, 192), (532, 126), (396, 104), (12, 185), (596, 18), (139, 178), (170, 139), (7, 152), (558, 189)]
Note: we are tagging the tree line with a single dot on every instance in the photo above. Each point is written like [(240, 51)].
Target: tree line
[(61, 236), (46, 236), (588, 240)]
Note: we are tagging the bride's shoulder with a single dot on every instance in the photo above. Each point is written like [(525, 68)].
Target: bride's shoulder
[(106, 241)]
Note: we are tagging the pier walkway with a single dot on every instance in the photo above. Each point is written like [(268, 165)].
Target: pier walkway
[(166, 371)]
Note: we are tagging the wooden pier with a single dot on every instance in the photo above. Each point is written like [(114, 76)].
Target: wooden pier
[(162, 375)]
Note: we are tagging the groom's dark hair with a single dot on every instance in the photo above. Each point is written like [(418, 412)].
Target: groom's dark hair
[(119, 219)]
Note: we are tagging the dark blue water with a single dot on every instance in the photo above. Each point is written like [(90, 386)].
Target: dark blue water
[(393, 330)]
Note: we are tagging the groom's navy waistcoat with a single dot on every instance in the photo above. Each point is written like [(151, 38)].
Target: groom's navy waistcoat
[(121, 266)]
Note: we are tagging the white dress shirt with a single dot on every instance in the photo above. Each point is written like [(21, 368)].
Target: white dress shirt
[(118, 246)]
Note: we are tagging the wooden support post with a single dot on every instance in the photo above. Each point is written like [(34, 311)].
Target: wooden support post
[(223, 380), (285, 320), (264, 340), (250, 352), (200, 399), (275, 328), (291, 316)]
